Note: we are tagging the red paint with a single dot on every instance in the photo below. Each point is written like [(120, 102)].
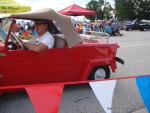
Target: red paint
[(45, 99), (77, 10), (19, 87), (55, 65)]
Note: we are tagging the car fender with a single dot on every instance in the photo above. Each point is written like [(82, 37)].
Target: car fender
[(91, 63)]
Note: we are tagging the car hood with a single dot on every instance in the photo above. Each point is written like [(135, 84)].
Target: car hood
[(64, 22)]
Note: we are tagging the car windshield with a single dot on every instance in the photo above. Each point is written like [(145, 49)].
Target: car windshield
[(25, 29), (4, 28)]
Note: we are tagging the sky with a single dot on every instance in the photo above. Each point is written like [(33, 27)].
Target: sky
[(55, 4)]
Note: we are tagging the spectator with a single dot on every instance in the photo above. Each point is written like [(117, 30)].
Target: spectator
[(108, 28), (115, 29)]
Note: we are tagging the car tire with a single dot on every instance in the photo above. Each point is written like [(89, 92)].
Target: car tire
[(127, 29), (100, 72)]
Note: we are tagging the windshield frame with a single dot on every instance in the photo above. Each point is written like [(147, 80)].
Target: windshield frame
[(5, 29)]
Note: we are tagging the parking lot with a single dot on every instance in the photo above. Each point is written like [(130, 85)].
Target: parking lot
[(134, 49)]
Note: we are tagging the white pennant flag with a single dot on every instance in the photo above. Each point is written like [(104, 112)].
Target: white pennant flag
[(103, 91)]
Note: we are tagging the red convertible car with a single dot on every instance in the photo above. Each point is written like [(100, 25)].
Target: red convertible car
[(71, 59)]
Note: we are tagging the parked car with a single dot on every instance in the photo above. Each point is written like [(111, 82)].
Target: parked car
[(71, 59), (137, 25)]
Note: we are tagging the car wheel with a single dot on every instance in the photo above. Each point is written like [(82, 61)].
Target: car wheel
[(127, 29), (100, 72)]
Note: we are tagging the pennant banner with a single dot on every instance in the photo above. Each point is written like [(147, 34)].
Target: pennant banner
[(104, 93), (45, 99), (130, 95), (143, 84)]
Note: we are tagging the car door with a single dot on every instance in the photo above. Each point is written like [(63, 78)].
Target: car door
[(136, 25), (27, 67)]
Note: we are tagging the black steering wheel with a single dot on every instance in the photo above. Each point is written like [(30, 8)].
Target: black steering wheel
[(16, 42)]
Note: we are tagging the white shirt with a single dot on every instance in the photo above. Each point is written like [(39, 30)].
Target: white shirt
[(46, 39)]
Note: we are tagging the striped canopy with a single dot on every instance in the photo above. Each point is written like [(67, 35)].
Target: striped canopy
[(11, 7)]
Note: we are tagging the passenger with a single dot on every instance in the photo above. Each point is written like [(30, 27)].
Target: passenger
[(43, 41)]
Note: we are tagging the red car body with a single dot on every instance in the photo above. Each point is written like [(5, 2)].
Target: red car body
[(55, 65), (21, 67)]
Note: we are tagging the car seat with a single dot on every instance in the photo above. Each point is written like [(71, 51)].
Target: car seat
[(60, 42)]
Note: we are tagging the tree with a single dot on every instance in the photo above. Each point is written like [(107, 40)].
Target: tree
[(94, 5), (142, 9), (131, 14), (121, 9), (131, 9), (97, 6), (107, 10)]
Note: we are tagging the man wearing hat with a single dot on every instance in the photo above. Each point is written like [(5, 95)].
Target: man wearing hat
[(43, 41)]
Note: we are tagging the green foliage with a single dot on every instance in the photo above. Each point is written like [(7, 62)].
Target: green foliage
[(97, 6), (121, 9), (94, 5), (143, 9), (131, 9), (107, 11)]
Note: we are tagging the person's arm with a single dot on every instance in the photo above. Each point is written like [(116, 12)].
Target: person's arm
[(35, 47)]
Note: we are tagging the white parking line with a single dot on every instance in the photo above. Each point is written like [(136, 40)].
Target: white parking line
[(135, 45)]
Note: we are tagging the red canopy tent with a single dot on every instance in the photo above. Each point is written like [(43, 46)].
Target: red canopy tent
[(75, 10)]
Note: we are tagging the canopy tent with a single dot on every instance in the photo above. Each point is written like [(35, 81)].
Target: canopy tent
[(11, 7), (75, 10)]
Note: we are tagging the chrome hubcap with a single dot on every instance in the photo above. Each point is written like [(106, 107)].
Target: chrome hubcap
[(99, 74)]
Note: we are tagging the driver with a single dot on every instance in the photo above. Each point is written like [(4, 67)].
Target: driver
[(43, 41)]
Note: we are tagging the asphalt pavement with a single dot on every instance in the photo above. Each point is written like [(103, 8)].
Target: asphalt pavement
[(134, 49)]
